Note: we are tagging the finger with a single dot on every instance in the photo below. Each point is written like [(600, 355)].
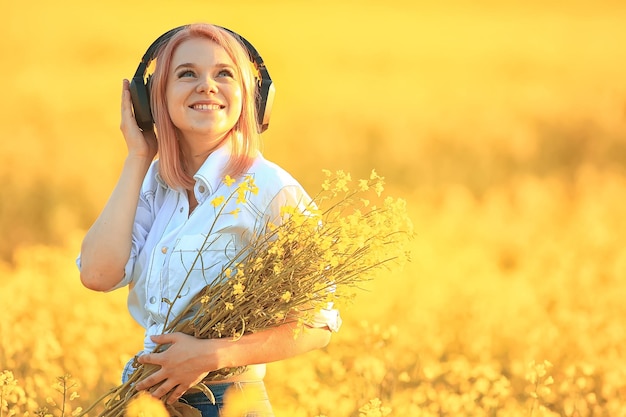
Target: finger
[(125, 97), (175, 395), (151, 358), (128, 116), (162, 338), (165, 339), (165, 390), (150, 381)]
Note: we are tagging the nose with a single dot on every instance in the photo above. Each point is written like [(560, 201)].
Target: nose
[(207, 85)]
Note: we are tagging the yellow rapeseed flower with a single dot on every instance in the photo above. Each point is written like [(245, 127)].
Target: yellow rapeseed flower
[(243, 400), (379, 188), (374, 409), (235, 212), (250, 185), (217, 201), (287, 210), (343, 179), (257, 264), (228, 180), (7, 380), (241, 194), (145, 405), (238, 288)]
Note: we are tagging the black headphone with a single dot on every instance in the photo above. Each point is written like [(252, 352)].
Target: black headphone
[(140, 84)]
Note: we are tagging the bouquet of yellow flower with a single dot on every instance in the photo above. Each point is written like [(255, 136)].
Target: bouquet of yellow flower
[(313, 259)]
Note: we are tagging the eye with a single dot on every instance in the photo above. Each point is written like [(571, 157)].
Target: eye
[(226, 72), (186, 73)]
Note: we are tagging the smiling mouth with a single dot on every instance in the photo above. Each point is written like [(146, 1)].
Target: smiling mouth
[(207, 107)]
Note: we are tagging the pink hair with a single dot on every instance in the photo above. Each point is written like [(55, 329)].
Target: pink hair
[(245, 136)]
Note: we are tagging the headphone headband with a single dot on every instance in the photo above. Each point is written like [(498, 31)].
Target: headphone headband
[(147, 57), (140, 87)]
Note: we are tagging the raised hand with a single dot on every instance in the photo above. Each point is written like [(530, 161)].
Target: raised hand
[(139, 143)]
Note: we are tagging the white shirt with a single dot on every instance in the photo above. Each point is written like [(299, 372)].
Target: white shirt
[(166, 239)]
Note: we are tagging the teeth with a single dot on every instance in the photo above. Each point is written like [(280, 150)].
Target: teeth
[(207, 107)]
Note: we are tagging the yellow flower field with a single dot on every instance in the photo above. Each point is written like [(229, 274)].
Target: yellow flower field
[(503, 125)]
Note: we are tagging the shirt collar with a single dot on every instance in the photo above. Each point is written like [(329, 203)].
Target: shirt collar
[(209, 176), (160, 180)]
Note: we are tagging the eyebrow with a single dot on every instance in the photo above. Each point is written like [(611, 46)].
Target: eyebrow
[(192, 65), (185, 65)]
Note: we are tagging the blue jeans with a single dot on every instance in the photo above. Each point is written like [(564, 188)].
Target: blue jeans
[(259, 407)]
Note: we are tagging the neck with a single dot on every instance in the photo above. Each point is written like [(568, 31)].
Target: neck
[(195, 155)]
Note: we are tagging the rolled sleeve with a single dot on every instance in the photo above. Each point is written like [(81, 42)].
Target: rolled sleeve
[(127, 273), (327, 317)]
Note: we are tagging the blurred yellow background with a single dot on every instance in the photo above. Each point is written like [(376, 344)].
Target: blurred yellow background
[(501, 122), (464, 92)]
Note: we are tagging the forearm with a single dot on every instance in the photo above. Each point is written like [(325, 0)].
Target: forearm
[(106, 247), (268, 346)]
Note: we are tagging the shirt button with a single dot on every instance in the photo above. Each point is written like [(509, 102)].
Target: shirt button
[(164, 249), (201, 189), (152, 299), (181, 210)]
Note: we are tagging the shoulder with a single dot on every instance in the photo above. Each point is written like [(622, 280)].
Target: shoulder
[(277, 187), (271, 176), (152, 180), (153, 186)]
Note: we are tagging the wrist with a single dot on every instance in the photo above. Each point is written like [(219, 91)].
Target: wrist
[(138, 161), (220, 353)]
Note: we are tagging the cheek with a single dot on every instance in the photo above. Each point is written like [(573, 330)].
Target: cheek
[(173, 100), (237, 102)]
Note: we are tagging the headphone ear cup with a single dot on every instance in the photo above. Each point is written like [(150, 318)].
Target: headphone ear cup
[(140, 97), (265, 100)]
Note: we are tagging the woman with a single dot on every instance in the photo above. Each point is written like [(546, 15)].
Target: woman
[(202, 97)]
